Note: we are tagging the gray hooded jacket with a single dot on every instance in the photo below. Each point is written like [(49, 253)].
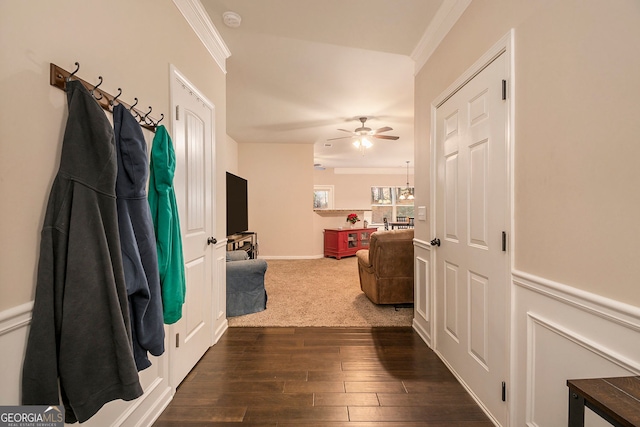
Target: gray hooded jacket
[(80, 332)]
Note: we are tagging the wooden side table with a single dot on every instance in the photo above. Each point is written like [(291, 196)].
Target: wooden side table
[(617, 400)]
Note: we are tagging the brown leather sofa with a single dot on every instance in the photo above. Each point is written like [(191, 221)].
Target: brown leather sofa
[(386, 268)]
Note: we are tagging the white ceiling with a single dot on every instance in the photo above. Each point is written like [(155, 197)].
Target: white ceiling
[(301, 69)]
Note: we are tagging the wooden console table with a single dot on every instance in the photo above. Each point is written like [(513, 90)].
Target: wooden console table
[(617, 400)]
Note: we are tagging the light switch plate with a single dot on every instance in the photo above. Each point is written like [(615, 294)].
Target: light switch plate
[(422, 213)]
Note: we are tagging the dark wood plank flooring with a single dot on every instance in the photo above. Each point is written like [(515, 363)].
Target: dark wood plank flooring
[(329, 377)]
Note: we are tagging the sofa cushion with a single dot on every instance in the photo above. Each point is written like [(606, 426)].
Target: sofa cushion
[(237, 255)]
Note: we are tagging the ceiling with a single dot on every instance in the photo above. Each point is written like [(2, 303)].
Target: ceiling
[(301, 69)]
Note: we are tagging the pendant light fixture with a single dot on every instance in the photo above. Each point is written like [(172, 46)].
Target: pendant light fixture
[(407, 194)]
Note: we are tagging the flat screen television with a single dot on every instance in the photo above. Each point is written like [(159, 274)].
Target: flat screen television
[(237, 206)]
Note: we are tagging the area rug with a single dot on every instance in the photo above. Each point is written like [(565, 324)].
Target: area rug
[(319, 292)]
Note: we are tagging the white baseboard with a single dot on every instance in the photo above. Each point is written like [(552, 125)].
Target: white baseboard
[(268, 257)]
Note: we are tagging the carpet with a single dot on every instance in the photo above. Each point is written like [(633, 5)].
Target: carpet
[(319, 292)]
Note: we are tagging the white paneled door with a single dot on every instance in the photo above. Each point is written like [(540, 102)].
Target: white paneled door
[(191, 336), (472, 212)]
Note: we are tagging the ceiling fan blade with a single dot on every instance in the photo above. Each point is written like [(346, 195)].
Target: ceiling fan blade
[(384, 129), (385, 137), (344, 130), (341, 137)]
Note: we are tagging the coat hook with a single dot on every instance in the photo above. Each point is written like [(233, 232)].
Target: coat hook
[(96, 87), (156, 123), (115, 98), (74, 72), (144, 119), (131, 108)]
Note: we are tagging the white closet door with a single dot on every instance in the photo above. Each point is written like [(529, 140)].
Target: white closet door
[(192, 335), (471, 214)]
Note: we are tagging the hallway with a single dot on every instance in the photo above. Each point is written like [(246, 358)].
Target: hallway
[(321, 377)]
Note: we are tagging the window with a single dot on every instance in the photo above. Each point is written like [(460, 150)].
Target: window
[(386, 202), (323, 197)]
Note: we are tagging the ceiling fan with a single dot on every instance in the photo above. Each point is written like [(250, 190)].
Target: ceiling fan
[(364, 131)]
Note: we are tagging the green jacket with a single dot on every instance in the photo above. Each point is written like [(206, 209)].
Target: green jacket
[(164, 211)]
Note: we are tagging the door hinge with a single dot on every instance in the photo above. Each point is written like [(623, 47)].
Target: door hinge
[(504, 241), (504, 391), (177, 340), (177, 112), (504, 90)]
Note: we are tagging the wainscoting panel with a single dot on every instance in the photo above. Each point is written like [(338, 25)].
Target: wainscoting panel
[(14, 330), (423, 292), (13, 342), (562, 333)]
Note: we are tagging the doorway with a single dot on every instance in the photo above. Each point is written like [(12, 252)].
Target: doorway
[(471, 185), (194, 183)]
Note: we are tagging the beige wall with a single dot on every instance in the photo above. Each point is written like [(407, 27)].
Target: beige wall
[(280, 180), (231, 156), (353, 189), (129, 44), (576, 134)]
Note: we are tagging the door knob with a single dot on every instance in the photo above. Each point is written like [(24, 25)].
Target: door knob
[(435, 242), (212, 241)]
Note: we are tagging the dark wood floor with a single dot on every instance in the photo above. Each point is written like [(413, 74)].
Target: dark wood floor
[(329, 377)]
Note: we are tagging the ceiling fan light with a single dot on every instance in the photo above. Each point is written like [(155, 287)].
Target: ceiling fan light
[(366, 143)]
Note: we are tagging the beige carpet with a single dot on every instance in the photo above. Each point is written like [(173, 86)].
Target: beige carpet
[(320, 292)]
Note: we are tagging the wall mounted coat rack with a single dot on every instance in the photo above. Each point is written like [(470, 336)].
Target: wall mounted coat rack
[(59, 77)]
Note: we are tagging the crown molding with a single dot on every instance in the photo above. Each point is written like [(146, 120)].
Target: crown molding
[(199, 20), (446, 17)]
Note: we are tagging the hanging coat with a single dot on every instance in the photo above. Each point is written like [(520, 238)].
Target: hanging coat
[(80, 331), (164, 210), (137, 239)]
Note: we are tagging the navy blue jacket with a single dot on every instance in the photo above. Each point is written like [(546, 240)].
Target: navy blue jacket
[(137, 239)]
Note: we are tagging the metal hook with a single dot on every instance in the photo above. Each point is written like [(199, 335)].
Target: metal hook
[(156, 123), (135, 114), (115, 98), (96, 87), (144, 119), (74, 72)]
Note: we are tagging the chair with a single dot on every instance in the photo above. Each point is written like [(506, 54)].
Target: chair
[(386, 268), (386, 223), (245, 284), (404, 221)]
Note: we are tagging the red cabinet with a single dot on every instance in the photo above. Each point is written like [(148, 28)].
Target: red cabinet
[(346, 242)]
